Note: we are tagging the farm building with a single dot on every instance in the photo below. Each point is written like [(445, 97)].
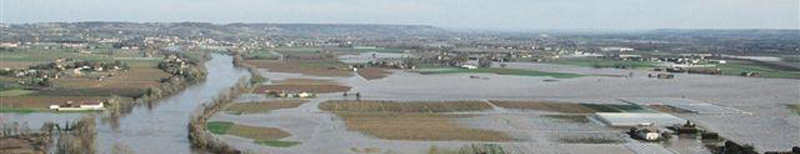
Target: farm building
[(83, 106), (649, 133)]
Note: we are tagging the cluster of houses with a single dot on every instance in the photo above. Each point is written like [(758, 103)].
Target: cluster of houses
[(82, 106), (174, 64), (40, 75), (392, 63)]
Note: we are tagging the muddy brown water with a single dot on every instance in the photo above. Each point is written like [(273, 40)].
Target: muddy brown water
[(158, 127)]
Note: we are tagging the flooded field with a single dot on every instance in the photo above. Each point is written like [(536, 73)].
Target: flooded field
[(157, 127), (534, 131)]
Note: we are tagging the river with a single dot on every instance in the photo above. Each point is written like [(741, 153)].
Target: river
[(157, 128)]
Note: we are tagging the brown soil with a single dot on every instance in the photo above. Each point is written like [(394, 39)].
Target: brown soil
[(414, 126), (257, 133), (305, 82)]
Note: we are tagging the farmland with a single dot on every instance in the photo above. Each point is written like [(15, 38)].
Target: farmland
[(412, 120), (417, 126), (735, 68), (141, 75), (261, 107), (604, 63), (307, 67)]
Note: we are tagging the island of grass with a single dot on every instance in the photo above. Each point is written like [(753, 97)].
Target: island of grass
[(325, 68), (421, 121), (262, 107), (605, 63), (735, 68), (266, 136), (502, 71)]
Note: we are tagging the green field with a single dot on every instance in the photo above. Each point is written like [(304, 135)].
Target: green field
[(268, 135), (503, 71), (262, 54), (219, 127), (15, 92), (47, 55), (19, 110), (604, 63), (735, 68)]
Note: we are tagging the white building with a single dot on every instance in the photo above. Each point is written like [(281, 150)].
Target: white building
[(469, 67)]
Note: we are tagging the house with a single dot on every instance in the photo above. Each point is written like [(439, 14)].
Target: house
[(305, 95), (92, 105), (648, 133), (469, 67), (83, 106)]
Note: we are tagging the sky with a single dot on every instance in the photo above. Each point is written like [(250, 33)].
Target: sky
[(460, 14)]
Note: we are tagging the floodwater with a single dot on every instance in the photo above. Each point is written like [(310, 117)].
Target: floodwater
[(322, 132), (158, 127)]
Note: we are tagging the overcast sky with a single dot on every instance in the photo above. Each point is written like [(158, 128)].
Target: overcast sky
[(473, 14)]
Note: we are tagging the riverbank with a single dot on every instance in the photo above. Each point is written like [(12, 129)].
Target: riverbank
[(199, 134)]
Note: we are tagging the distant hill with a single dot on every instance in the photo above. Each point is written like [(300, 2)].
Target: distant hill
[(200, 29)]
